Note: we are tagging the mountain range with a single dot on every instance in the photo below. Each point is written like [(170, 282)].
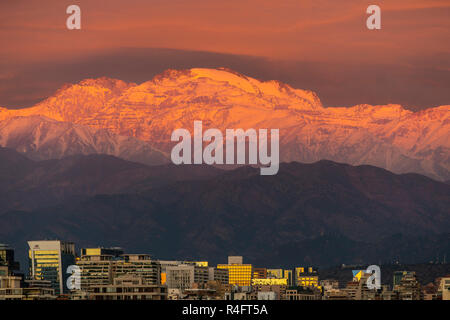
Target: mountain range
[(41, 138), (135, 122), (26, 184), (323, 213), (359, 184)]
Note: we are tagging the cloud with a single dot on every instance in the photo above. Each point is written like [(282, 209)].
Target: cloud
[(417, 83), (322, 45)]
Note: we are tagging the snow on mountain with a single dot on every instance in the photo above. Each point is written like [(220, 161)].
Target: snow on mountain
[(42, 138), (387, 136)]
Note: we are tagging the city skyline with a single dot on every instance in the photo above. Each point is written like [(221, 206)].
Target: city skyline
[(112, 274), (249, 150)]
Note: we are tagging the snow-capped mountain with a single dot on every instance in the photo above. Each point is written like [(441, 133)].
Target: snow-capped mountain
[(41, 138), (387, 136)]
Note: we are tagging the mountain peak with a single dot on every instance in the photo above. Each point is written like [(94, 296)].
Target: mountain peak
[(110, 83)]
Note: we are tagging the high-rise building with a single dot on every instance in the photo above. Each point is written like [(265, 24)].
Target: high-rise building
[(275, 273), (259, 273), (398, 275), (184, 276), (409, 287), (287, 274), (141, 265), (218, 275), (99, 270), (238, 273), (7, 258), (357, 288), (49, 260), (306, 277), (281, 274)]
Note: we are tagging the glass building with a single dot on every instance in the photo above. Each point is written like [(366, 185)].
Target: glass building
[(238, 273), (49, 261)]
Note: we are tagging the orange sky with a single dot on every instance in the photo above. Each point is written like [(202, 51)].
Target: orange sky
[(414, 42)]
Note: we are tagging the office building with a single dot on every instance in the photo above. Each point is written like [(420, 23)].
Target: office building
[(139, 264), (281, 274), (7, 259), (218, 275), (306, 277), (238, 273), (128, 287), (184, 276), (97, 270), (49, 260)]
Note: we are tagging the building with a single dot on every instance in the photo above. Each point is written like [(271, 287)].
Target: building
[(212, 290), (235, 260), (128, 287), (13, 288), (358, 290), (270, 282), (184, 276), (238, 273), (295, 295), (267, 295), (98, 270), (306, 277), (408, 288), (7, 258), (287, 274), (397, 277), (278, 289), (430, 292), (444, 288), (329, 284), (259, 273), (308, 280), (281, 274), (49, 260), (139, 264), (241, 293), (201, 263), (218, 275), (100, 251), (335, 294)]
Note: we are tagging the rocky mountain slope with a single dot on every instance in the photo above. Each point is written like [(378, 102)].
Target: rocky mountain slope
[(386, 136), (27, 185), (41, 138)]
